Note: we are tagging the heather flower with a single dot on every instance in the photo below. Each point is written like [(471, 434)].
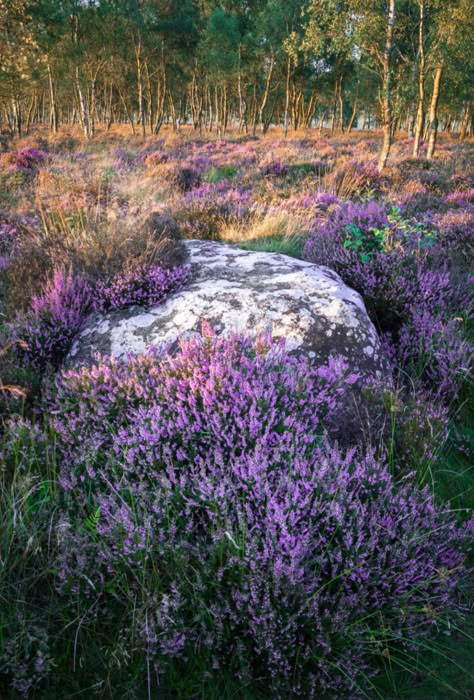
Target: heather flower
[(353, 178), (155, 158), (274, 168), (26, 160), (145, 285), (402, 269), (54, 319), (208, 467)]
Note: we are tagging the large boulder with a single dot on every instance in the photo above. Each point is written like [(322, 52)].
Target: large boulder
[(235, 289)]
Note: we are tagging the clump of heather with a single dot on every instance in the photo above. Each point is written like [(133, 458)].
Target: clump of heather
[(355, 179), (274, 168), (26, 657), (413, 425), (26, 160), (199, 487), (54, 319), (401, 268), (125, 161), (244, 395), (185, 178), (434, 348), (203, 212), (155, 158), (456, 231), (144, 285)]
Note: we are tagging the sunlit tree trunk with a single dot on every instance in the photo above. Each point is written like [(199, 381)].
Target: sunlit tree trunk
[(433, 117), (420, 114), (53, 110), (266, 92), (141, 99), (386, 103), (465, 121)]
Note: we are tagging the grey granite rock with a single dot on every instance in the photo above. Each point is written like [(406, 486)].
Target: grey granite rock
[(239, 290)]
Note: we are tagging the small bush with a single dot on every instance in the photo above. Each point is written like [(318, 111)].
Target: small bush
[(55, 318), (145, 285), (354, 179), (400, 266), (198, 487)]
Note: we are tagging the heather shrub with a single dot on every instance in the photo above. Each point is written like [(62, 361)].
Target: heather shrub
[(144, 285), (456, 232), (54, 319), (96, 247), (246, 395), (155, 158), (199, 487), (202, 213), (423, 203), (26, 160), (355, 179), (273, 168), (401, 268), (185, 178), (126, 161), (434, 348), (358, 241)]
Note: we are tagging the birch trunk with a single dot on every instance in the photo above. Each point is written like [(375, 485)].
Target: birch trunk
[(287, 97), (465, 122), (433, 118), (266, 91), (386, 103), (53, 111), (420, 114)]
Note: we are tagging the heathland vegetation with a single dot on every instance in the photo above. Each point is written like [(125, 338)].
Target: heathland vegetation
[(181, 524)]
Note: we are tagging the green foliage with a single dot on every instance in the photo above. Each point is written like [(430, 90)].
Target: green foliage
[(215, 174), (377, 240)]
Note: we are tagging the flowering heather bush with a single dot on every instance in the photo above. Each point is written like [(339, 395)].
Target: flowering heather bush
[(24, 160), (243, 396), (203, 211), (56, 315), (200, 485), (456, 229), (355, 179), (274, 168), (433, 348), (144, 285), (54, 319), (125, 161), (26, 656), (156, 158), (185, 179), (422, 203), (400, 268)]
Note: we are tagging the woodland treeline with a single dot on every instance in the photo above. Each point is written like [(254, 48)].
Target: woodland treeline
[(397, 64)]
